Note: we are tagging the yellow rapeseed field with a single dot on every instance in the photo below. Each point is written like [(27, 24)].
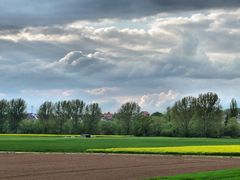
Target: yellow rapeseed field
[(214, 150), (60, 135), (37, 135)]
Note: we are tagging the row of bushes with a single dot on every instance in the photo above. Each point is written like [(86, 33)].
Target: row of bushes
[(144, 126)]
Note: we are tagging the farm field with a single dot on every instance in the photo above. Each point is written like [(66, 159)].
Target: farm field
[(54, 166), (105, 166), (231, 150), (64, 143)]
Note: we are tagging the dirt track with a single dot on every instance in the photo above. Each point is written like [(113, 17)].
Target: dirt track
[(103, 167)]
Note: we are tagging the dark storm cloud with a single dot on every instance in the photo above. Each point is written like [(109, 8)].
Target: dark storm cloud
[(19, 13)]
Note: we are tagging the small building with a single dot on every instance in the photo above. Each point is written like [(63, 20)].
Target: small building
[(32, 116), (145, 113), (107, 116)]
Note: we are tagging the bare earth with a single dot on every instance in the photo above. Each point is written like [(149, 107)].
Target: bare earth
[(103, 166)]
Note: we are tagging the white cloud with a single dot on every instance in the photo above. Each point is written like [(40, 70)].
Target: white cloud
[(48, 93), (158, 101), (2, 95), (101, 91), (38, 34), (99, 23)]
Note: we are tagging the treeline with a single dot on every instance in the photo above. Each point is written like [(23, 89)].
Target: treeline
[(200, 116), (62, 117)]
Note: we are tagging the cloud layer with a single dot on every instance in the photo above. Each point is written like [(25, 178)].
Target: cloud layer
[(17, 13), (152, 52)]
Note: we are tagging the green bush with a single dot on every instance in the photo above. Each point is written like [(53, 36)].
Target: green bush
[(108, 127), (232, 128)]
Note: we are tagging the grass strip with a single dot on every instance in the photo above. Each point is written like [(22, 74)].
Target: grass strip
[(233, 174)]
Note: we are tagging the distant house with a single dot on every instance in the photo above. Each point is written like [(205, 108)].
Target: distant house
[(145, 113), (32, 116), (107, 116)]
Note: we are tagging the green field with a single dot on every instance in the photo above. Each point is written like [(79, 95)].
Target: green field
[(39, 143), (232, 174)]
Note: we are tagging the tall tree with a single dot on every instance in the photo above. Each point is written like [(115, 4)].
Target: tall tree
[(183, 112), (66, 110), (233, 108), (59, 116), (127, 114), (209, 114), (16, 113), (91, 118), (45, 113), (77, 107), (3, 113)]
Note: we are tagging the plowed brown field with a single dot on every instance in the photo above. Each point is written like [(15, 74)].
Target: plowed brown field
[(103, 166)]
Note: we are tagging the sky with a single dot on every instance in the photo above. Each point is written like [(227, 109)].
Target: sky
[(153, 52)]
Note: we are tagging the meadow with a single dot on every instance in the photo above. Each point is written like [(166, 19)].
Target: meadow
[(68, 143)]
